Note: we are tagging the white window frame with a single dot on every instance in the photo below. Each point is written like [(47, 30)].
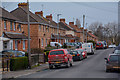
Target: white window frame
[(42, 42), (5, 25), (14, 26), (23, 44), (11, 26), (19, 27), (16, 44), (46, 42)]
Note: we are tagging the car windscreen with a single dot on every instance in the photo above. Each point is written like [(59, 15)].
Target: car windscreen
[(56, 52), (117, 51), (114, 58)]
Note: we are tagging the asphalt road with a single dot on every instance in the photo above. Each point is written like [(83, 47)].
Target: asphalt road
[(92, 67)]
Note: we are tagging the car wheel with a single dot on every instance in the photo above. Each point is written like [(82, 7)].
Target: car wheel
[(68, 64), (107, 70), (56, 66), (50, 66)]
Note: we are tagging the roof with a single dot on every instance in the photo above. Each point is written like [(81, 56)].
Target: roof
[(92, 35), (7, 15), (21, 13), (65, 26), (76, 28), (14, 35)]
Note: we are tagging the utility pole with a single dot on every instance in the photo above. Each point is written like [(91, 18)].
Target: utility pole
[(114, 35), (58, 25), (86, 32), (83, 26), (29, 51)]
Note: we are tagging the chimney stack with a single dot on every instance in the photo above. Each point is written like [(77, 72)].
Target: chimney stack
[(62, 20), (90, 31), (39, 13), (49, 17), (71, 23), (22, 5)]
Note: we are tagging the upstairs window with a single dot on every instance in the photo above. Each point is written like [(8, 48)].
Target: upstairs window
[(19, 26), (14, 26), (11, 27), (42, 41), (23, 44), (5, 24)]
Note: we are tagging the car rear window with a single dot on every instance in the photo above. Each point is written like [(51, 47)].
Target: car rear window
[(117, 52), (114, 58), (73, 52), (56, 52)]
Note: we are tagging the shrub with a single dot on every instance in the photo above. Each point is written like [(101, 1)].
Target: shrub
[(18, 63), (46, 56)]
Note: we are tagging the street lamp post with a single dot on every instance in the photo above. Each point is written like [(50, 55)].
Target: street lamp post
[(29, 52), (58, 25)]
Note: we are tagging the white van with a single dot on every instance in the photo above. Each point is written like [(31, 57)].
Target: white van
[(88, 47), (55, 43)]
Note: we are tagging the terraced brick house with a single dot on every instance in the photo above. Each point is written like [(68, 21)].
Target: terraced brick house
[(12, 36)]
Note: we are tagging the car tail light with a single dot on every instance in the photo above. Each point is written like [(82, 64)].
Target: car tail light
[(83, 53), (78, 54)]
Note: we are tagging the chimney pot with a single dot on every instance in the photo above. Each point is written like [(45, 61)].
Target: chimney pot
[(22, 5), (62, 20), (39, 13), (49, 17), (71, 23)]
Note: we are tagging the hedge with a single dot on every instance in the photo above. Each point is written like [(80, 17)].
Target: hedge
[(46, 56), (18, 63)]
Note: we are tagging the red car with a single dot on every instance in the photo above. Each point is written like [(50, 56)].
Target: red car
[(99, 45), (84, 53), (59, 57)]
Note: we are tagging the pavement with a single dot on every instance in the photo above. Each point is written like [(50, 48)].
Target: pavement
[(15, 74)]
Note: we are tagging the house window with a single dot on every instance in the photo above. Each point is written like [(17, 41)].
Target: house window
[(16, 44), (5, 25), (42, 41), (46, 42), (19, 26), (11, 46), (11, 28), (39, 27), (23, 44), (14, 26)]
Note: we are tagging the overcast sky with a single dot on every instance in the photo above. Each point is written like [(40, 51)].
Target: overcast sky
[(94, 11)]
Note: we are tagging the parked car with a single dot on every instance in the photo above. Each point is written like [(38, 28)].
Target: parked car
[(76, 55), (101, 45), (55, 44), (84, 53), (14, 53), (112, 46), (59, 57), (88, 47), (113, 62), (117, 51), (81, 56)]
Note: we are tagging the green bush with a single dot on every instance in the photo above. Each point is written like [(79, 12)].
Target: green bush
[(18, 63), (46, 56)]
